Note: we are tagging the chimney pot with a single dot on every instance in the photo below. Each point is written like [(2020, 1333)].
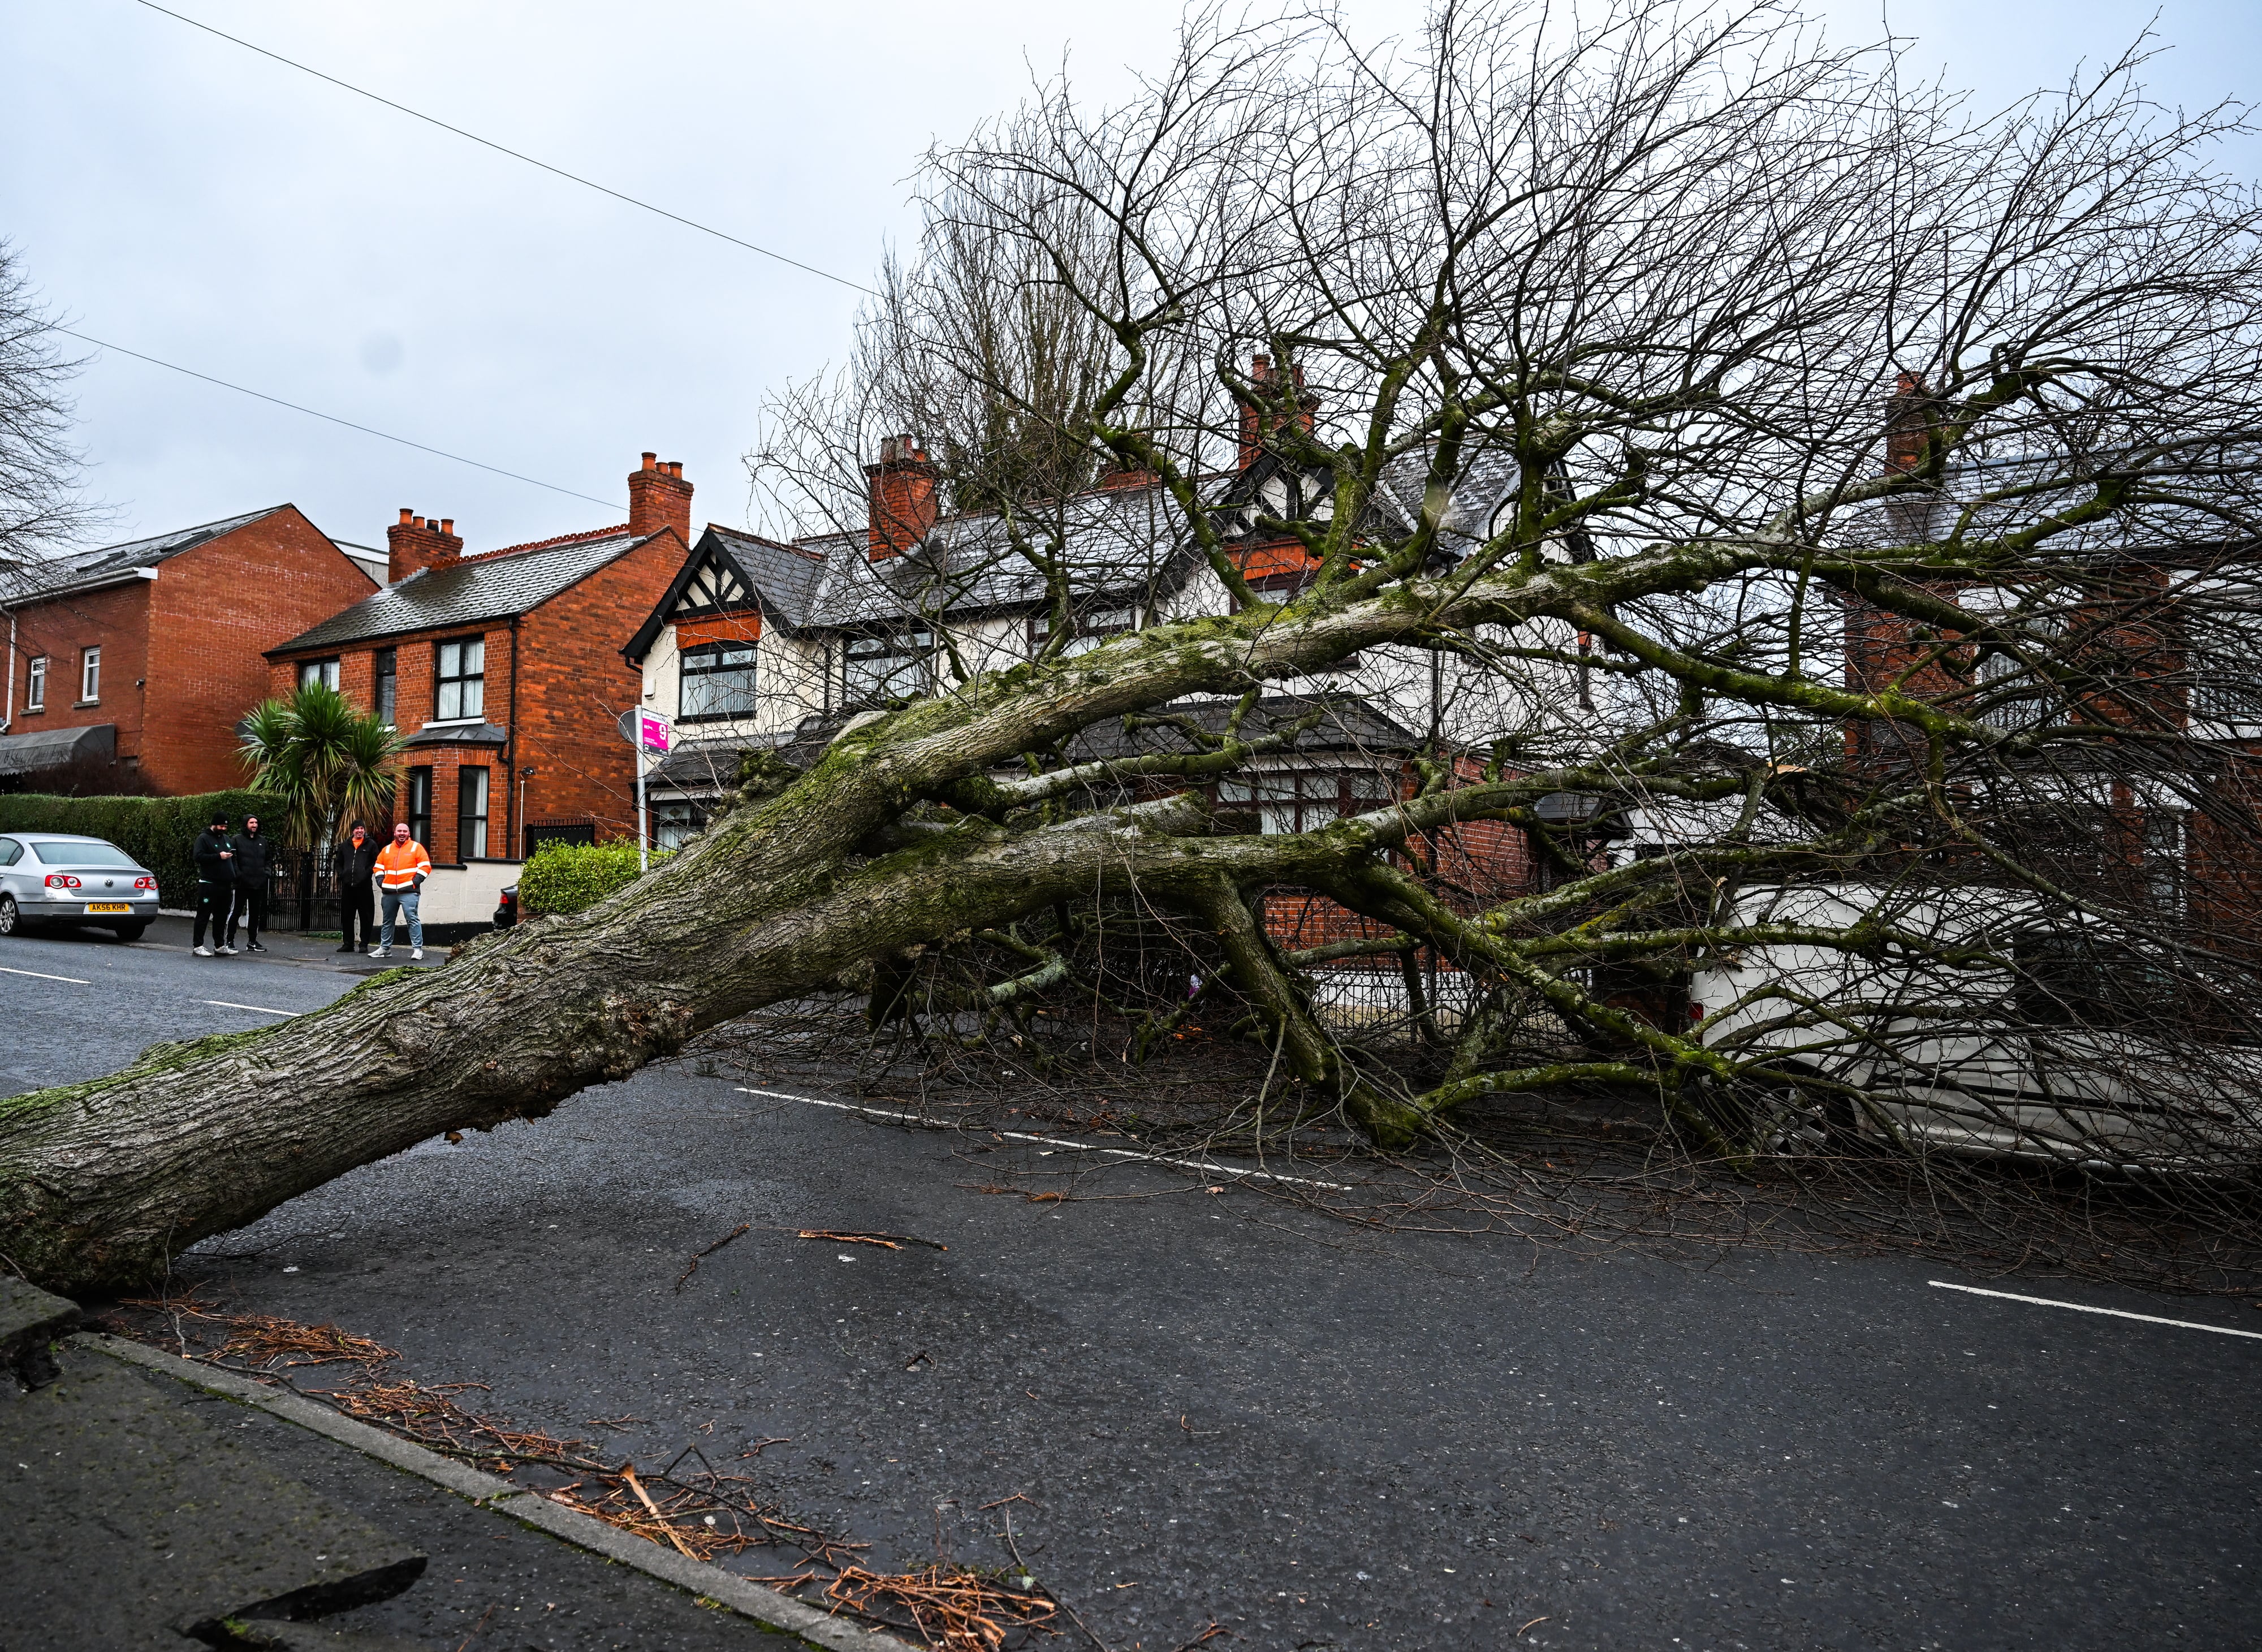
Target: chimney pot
[(404, 515), (650, 460), (447, 524)]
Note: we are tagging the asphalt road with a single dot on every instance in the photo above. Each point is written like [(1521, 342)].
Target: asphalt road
[(1218, 1410)]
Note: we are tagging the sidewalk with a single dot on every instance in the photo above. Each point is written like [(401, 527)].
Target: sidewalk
[(172, 932), (147, 1497)]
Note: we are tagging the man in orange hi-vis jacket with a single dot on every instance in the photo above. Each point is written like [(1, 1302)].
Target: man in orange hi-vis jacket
[(402, 866)]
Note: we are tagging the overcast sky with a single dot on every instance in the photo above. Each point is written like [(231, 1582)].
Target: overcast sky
[(180, 196)]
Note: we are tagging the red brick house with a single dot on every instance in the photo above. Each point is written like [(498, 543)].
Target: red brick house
[(504, 669), (147, 654)]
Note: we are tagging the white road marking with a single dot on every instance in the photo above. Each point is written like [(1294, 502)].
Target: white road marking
[(36, 975), (261, 1008), (1060, 1140), (2084, 1308)]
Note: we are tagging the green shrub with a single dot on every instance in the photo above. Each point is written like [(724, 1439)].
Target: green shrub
[(563, 878), (158, 831)]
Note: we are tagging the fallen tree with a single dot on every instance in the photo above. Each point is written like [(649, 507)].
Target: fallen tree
[(1578, 421)]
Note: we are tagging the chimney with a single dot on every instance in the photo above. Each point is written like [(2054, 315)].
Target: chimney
[(904, 507), (1252, 420), (1907, 423), (413, 545), (658, 497)]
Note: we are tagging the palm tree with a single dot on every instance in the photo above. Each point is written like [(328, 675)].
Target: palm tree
[(322, 760)]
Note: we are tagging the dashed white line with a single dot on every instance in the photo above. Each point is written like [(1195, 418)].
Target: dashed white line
[(261, 1008), (1059, 1141), (2084, 1308), (37, 976)]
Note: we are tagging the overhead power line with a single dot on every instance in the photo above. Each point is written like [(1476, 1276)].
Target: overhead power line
[(495, 470), (516, 154)]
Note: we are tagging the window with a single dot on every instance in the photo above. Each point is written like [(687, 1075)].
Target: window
[(35, 691), (675, 823), (1093, 628), (718, 682), (90, 674), (471, 814), (81, 853), (10, 851), (322, 671), (463, 669), (877, 669), (385, 680), (1287, 803), (419, 811)]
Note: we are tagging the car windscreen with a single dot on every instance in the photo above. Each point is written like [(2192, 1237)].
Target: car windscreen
[(81, 855)]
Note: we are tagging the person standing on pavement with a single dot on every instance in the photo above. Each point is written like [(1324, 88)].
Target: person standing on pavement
[(402, 866), (214, 854), (253, 865), (353, 868)]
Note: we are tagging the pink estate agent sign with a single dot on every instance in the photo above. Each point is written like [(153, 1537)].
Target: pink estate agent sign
[(653, 731)]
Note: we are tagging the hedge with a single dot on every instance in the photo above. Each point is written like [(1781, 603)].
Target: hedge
[(158, 831), (563, 878)]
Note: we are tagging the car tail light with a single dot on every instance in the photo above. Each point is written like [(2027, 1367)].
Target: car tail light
[(145, 883), (62, 880), (1695, 1011)]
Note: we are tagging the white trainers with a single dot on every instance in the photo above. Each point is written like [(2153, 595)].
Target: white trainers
[(226, 952), (204, 952), (380, 952), (416, 955)]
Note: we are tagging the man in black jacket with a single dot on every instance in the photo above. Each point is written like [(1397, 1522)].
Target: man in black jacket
[(254, 864), (214, 854), (354, 866)]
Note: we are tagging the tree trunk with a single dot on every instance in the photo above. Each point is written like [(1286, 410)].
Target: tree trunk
[(101, 1182)]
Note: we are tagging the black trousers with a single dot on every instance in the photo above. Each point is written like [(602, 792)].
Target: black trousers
[(250, 912), (362, 904), (215, 903)]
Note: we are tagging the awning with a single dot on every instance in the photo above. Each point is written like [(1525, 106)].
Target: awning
[(53, 747)]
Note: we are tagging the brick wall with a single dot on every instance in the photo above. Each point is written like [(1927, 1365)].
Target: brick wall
[(574, 685), (117, 621), (182, 654), (215, 611)]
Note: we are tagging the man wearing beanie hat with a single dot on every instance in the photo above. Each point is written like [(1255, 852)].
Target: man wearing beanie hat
[(215, 858)]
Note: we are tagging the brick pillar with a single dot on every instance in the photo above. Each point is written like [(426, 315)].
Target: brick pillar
[(904, 507), (413, 545), (658, 497)]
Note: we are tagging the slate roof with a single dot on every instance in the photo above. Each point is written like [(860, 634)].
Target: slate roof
[(1348, 724), (86, 567), (493, 586), (1125, 543)]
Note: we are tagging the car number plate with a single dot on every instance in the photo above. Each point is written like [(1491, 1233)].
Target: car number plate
[(94, 906)]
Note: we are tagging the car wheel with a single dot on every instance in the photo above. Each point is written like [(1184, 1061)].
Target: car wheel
[(129, 932), (1790, 1120), (11, 920)]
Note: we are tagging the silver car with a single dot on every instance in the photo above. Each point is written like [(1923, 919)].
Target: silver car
[(49, 877)]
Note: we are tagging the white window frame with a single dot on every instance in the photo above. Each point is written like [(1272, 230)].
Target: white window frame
[(468, 684), (89, 675), (35, 684), (322, 671)]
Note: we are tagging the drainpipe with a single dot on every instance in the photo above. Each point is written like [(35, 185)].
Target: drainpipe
[(517, 820), (9, 721)]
